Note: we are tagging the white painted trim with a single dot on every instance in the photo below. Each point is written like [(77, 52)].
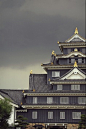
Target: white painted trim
[(53, 107), (72, 53), (21, 110), (72, 44), (55, 94), (70, 82)]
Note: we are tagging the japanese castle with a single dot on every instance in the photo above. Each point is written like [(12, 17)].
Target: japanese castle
[(57, 99)]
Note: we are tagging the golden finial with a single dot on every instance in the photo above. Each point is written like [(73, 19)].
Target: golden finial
[(49, 80), (21, 103), (31, 72), (75, 64), (75, 50), (53, 53), (76, 31), (41, 64), (33, 90), (23, 91), (51, 63), (58, 42)]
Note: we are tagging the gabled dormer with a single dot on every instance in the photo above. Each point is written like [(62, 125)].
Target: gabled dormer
[(74, 42)]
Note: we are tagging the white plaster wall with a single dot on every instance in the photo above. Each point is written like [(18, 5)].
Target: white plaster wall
[(1, 97), (73, 76), (11, 120)]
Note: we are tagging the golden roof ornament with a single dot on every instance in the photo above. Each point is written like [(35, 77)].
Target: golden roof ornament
[(23, 91), (21, 103), (53, 53), (75, 64), (75, 50), (51, 63), (49, 80), (33, 90), (58, 42), (76, 31), (31, 72)]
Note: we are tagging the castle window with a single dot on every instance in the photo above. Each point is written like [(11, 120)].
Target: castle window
[(75, 87), (34, 115), (71, 60), (79, 60), (49, 100), (76, 115), (55, 73), (59, 87), (64, 100), (34, 100), (62, 115), (50, 115), (81, 100)]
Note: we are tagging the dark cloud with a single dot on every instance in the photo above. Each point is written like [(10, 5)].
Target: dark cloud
[(29, 30)]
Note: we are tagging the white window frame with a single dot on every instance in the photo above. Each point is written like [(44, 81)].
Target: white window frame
[(55, 73), (50, 115), (81, 100), (34, 115), (34, 100), (76, 115), (64, 100), (59, 87), (62, 115), (49, 100), (75, 87)]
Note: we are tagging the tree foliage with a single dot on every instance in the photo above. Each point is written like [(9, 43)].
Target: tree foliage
[(21, 122), (82, 122), (5, 112)]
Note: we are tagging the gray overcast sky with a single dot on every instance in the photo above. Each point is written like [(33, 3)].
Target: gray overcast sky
[(29, 31)]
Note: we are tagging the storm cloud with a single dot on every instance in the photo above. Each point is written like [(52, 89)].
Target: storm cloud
[(29, 31)]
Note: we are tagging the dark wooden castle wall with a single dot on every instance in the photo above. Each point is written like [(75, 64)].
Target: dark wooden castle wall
[(42, 115)]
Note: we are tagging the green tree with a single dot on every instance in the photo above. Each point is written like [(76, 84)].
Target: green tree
[(82, 122), (5, 112), (21, 122)]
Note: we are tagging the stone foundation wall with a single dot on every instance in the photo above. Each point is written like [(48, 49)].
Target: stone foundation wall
[(30, 126), (72, 126), (69, 126)]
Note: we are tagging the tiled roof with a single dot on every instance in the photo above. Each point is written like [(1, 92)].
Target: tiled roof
[(39, 83), (14, 95)]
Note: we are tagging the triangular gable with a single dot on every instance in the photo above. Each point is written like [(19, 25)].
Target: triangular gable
[(76, 38), (75, 73)]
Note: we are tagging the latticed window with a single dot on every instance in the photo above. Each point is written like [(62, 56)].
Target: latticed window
[(34, 115), (50, 115), (79, 60), (34, 100), (49, 100), (59, 87), (64, 100), (81, 100), (55, 73), (76, 115), (75, 87), (62, 115), (72, 60)]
